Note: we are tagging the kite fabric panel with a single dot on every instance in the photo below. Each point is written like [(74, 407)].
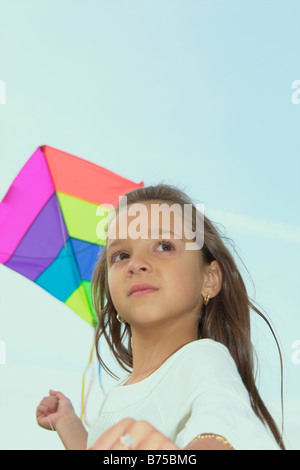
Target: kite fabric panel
[(48, 223)]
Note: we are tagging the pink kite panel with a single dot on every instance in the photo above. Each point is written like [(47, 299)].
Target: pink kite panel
[(27, 195)]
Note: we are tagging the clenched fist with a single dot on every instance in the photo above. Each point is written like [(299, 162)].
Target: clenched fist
[(52, 408)]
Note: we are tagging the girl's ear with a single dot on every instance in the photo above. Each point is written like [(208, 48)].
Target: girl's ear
[(212, 280)]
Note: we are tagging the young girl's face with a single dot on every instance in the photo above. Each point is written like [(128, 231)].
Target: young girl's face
[(152, 280)]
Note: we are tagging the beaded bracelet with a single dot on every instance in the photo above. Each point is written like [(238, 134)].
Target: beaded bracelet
[(214, 436)]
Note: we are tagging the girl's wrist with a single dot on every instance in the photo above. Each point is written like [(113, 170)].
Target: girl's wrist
[(72, 432), (216, 437), (66, 420)]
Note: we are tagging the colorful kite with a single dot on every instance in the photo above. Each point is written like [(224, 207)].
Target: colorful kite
[(48, 221)]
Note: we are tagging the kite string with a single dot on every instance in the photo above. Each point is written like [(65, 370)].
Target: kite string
[(52, 428)]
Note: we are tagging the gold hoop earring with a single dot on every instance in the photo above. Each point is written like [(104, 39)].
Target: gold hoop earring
[(206, 299), (119, 319)]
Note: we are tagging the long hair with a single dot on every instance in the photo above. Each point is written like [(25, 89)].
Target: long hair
[(225, 319)]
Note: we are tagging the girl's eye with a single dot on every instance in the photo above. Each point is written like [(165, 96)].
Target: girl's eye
[(117, 257), (165, 246), (162, 246)]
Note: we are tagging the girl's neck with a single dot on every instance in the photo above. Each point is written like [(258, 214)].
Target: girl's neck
[(149, 355)]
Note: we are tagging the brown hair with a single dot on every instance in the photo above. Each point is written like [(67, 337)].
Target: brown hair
[(225, 319)]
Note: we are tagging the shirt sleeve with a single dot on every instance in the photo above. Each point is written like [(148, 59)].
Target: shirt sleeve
[(221, 405)]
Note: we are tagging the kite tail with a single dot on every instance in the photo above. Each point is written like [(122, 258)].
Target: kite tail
[(83, 397)]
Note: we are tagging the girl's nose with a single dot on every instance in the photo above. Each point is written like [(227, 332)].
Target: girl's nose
[(137, 265)]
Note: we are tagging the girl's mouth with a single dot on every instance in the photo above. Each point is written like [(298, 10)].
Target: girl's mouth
[(139, 293), (138, 290)]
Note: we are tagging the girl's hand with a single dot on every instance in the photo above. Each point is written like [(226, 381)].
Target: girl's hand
[(141, 435), (53, 408)]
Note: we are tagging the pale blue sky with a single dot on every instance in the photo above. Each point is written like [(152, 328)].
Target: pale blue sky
[(196, 93)]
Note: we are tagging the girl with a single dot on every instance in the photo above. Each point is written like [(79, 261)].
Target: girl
[(178, 321)]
